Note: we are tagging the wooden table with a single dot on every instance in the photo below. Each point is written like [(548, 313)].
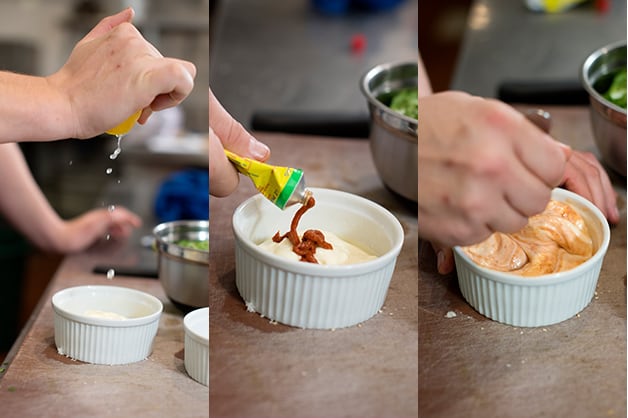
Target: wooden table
[(259, 369), (39, 382), (473, 367)]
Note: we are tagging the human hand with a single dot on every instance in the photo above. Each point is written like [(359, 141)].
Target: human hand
[(79, 233), (112, 73), (583, 175), (483, 167), (226, 133)]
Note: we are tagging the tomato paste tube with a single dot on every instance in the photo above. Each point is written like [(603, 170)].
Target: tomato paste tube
[(284, 186)]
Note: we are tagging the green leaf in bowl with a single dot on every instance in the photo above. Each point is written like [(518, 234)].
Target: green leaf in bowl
[(616, 93)]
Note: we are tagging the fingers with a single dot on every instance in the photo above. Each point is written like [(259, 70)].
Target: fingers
[(449, 211), (480, 190), (567, 150), (171, 81), (110, 22), (223, 177), (539, 153), (122, 222), (444, 258), (585, 176), (124, 216), (515, 192), (232, 134), (146, 112)]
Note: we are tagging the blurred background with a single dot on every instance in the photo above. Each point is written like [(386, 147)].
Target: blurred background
[(519, 51), (278, 63), (441, 30), (36, 37)]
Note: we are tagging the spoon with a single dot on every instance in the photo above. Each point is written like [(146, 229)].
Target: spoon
[(540, 118)]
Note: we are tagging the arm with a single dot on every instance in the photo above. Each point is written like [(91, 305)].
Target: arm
[(111, 73), (24, 206)]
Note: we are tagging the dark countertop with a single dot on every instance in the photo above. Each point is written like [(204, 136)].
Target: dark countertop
[(474, 367), (281, 55), (504, 41)]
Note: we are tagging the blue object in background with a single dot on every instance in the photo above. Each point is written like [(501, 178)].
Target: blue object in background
[(183, 195), (341, 7)]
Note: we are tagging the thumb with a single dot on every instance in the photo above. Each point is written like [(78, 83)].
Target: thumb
[(232, 134), (110, 22), (444, 258)]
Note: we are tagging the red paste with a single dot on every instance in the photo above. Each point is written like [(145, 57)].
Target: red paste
[(312, 238)]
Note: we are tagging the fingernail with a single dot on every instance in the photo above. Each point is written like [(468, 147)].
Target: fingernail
[(440, 259), (258, 149), (566, 149)]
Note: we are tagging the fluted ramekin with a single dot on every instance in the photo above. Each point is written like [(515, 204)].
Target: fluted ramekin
[(99, 340), (196, 345), (309, 295), (538, 300)]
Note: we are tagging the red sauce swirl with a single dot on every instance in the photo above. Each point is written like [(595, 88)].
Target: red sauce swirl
[(312, 238)]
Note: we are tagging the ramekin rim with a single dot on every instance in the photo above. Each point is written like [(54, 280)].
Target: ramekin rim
[(190, 316), (310, 269), (104, 322)]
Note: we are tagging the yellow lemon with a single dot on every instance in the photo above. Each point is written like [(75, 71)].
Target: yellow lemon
[(125, 126)]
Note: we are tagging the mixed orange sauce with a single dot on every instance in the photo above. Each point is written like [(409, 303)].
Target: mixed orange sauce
[(555, 240)]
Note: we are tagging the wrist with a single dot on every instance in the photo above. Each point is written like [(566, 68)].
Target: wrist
[(32, 109), (61, 115)]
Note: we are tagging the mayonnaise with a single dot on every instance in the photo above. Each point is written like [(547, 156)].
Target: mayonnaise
[(96, 313), (284, 186)]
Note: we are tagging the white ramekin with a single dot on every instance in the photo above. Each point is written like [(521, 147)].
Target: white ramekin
[(102, 340), (196, 345), (309, 295), (541, 300)]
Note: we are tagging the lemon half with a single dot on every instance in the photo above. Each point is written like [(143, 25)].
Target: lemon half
[(125, 126)]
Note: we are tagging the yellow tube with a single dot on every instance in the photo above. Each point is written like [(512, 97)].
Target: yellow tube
[(284, 186), (552, 6)]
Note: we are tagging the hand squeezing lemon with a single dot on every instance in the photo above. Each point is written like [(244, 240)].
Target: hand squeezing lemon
[(125, 126)]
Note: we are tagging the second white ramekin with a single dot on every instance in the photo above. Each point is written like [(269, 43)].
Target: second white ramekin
[(196, 345)]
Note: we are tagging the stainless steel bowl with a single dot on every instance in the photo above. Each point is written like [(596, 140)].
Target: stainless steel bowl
[(608, 120), (393, 136), (183, 272)]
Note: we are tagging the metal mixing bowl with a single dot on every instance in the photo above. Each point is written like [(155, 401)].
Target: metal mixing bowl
[(183, 272), (393, 136), (608, 120)]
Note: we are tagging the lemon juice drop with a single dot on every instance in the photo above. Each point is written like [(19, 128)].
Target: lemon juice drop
[(118, 149), (121, 130)]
